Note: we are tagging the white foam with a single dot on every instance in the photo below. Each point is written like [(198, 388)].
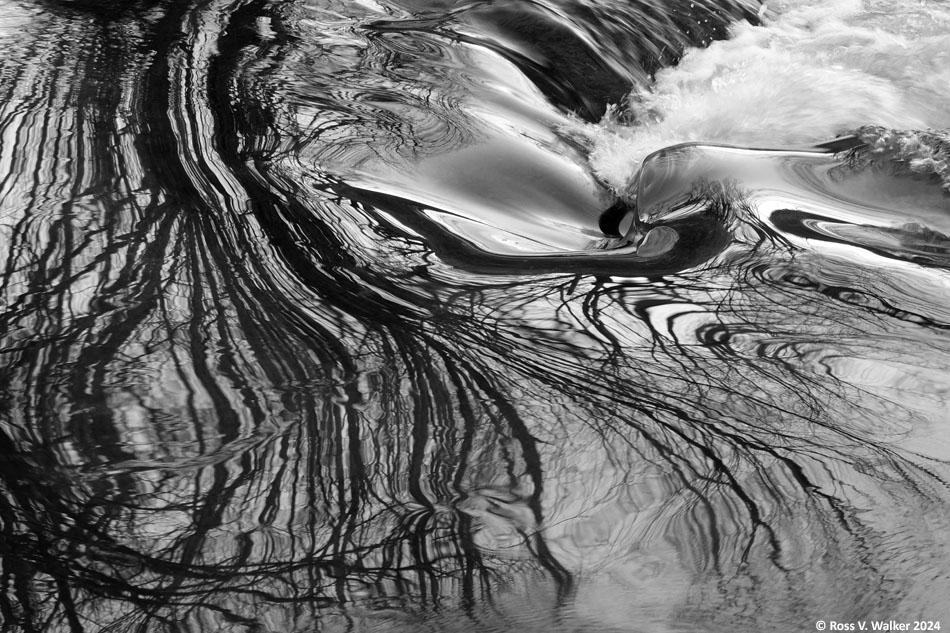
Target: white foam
[(812, 71)]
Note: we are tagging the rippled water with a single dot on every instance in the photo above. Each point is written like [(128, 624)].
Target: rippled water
[(562, 315)]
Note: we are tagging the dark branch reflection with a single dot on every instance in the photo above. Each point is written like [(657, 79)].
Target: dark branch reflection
[(235, 400)]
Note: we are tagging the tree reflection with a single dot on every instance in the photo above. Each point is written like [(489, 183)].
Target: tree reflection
[(235, 400)]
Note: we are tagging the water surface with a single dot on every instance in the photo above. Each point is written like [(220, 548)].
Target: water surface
[(311, 316)]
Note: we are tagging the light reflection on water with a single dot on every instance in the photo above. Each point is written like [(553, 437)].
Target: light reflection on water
[(271, 359)]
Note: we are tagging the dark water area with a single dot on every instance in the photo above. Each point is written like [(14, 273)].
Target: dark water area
[(566, 315)]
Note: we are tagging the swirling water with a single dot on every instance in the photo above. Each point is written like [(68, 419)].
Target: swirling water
[(312, 317)]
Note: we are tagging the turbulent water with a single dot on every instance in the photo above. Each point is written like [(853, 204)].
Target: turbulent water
[(425, 315)]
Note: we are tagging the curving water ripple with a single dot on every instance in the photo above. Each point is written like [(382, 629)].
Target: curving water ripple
[(472, 316)]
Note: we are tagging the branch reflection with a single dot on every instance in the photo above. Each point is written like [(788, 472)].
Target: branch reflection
[(235, 400)]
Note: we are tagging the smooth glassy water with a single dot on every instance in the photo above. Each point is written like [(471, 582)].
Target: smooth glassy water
[(426, 315)]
